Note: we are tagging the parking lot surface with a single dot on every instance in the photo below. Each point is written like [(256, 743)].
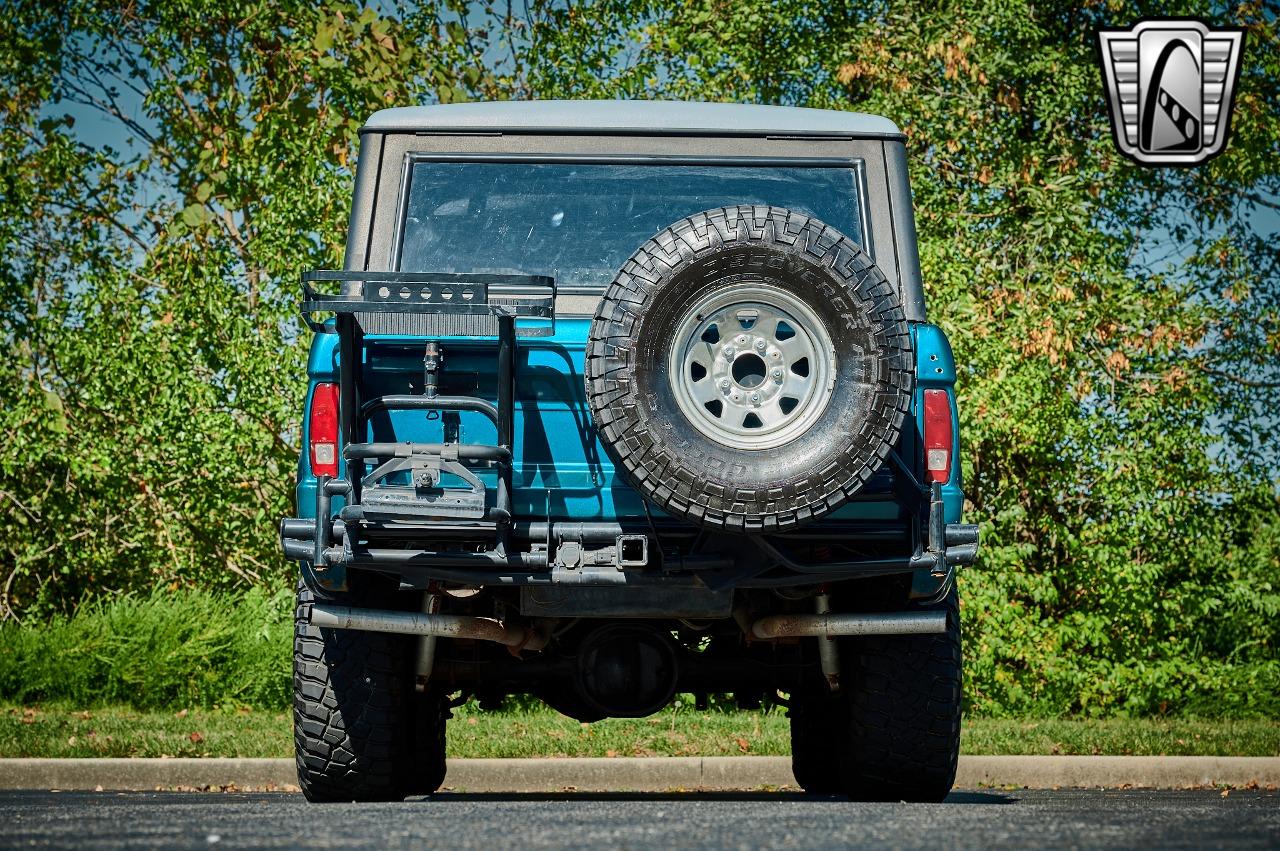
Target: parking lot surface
[(968, 819)]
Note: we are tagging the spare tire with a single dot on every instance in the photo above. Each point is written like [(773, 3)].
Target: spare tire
[(749, 369)]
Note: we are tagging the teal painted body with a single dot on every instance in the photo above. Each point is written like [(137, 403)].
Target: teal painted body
[(936, 368), (561, 469)]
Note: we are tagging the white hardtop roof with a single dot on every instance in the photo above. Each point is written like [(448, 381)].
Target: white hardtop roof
[(623, 116)]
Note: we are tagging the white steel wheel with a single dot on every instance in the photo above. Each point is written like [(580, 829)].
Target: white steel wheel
[(752, 366)]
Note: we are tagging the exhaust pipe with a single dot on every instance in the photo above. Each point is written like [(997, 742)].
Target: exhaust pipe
[(827, 625), (421, 623)]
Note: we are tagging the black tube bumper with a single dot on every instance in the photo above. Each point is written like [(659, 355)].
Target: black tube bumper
[(524, 553)]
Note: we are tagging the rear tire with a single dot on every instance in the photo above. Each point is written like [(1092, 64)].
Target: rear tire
[(430, 715), (893, 732), (815, 758), (360, 734), (903, 713)]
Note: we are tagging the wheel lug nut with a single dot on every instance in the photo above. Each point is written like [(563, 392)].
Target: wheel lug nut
[(777, 373), (724, 384), (760, 344), (755, 397)]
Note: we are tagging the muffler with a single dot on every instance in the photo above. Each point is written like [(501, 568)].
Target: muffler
[(422, 623), (830, 624)]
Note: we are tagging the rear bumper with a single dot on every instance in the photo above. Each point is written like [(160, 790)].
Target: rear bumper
[(647, 553)]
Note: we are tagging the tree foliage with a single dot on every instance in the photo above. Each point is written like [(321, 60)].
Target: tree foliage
[(150, 276), (1117, 327)]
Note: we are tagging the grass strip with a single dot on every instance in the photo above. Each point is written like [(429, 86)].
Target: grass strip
[(60, 731), (57, 731)]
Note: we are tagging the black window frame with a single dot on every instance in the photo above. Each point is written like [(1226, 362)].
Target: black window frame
[(857, 165)]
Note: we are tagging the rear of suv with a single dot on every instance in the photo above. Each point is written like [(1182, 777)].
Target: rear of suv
[(619, 400)]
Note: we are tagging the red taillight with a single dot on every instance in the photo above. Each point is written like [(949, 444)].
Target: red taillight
[(937, 435), (324, 430)]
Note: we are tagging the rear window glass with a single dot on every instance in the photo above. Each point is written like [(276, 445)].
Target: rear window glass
[(580, 222)]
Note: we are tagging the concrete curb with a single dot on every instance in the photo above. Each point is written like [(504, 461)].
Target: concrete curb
[(146, 774), (1156, 772), (710, 774)]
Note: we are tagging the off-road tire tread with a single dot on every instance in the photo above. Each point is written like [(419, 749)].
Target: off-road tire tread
[(904, 707), (660, 471), (353, 727)]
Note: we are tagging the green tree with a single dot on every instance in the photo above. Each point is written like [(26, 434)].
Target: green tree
[(151, 263)]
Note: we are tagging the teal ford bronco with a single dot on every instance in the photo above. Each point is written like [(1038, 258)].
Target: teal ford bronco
[(618, 400)]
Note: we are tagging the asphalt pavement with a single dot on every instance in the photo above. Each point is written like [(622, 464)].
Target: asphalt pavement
[(984, 819)]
